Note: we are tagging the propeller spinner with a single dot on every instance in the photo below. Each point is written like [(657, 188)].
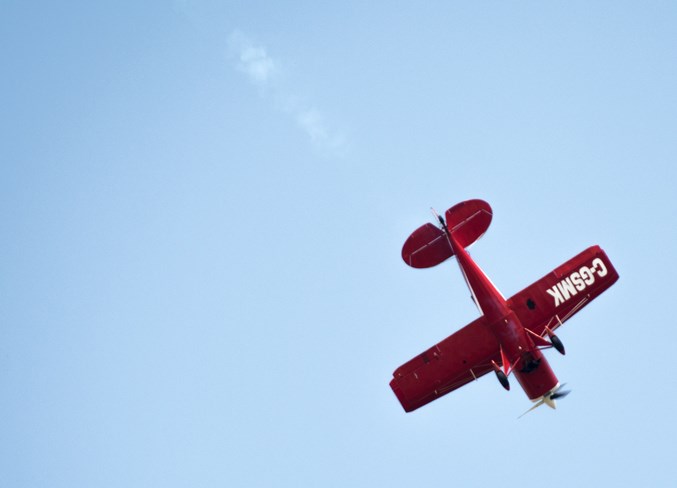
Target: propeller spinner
[(549, 399)]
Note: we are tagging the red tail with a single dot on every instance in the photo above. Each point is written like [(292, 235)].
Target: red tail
[(428, 246)]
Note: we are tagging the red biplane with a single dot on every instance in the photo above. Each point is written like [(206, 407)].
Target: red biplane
[(510, 334)]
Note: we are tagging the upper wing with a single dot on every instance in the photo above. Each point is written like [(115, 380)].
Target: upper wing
[(557, 296), (460, 358)]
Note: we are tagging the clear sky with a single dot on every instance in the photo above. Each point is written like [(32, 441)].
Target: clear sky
[(203, 205)]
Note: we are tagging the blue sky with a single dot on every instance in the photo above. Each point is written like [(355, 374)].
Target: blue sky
[(203, 205)]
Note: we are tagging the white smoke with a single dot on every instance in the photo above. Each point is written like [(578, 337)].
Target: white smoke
[(264, 72)]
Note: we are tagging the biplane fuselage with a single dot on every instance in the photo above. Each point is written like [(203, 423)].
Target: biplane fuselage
[(509, 336), (519, 352)]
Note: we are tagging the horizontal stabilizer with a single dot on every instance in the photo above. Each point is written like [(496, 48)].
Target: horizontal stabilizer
[(426, 247), (468, 221)]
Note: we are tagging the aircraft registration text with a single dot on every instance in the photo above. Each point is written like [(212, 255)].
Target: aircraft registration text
[(577, 281)]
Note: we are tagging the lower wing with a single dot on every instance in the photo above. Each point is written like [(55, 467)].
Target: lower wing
[(556, 297), (459, 359)]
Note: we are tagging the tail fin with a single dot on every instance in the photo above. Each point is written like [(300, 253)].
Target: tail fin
[(428, 245)]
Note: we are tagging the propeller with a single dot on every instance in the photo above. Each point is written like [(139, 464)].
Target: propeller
[(549, 399), (559, 394)]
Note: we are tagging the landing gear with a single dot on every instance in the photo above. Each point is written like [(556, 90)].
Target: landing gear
[(503, 379), (554, 340), (557, 344)]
